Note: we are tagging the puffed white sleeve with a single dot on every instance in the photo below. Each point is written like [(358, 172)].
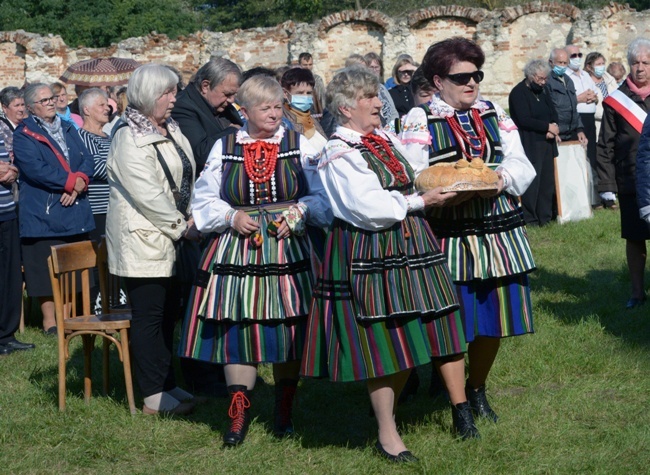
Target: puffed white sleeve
[(416, 139), (520, 172), (354, 190), (210, 212), (319, 211), (418, 160)]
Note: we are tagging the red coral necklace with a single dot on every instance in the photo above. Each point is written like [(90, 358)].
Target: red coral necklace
[(392, 163), (462, 136), (260, 159)]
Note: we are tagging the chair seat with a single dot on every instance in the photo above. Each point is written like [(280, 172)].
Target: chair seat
[(98, 322)]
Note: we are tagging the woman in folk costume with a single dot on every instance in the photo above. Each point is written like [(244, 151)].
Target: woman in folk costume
[(484, 236), (260, 192), (383, 302)]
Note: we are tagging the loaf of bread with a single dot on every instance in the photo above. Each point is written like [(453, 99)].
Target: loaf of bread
[(460, 176)]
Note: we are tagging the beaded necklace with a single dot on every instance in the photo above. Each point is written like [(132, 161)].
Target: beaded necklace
[(260, 166), (464, 137), (392, 163)]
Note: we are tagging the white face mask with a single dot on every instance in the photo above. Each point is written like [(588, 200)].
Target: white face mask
[(599, 71), (574, 63)]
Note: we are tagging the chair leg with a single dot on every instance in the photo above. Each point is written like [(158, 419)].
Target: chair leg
[(61, 374), (126, 362), (106, 354), (87, 343)]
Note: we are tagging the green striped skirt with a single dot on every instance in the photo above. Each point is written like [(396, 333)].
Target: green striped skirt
[(384, 303), (249, 304)]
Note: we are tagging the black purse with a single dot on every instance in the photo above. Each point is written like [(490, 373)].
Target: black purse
[(188, 253)]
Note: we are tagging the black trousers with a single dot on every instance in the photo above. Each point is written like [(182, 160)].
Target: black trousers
[(11, 280), (537, 201), (155, 309)]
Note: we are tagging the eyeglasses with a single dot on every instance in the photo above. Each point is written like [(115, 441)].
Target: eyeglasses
[(406, 72), (539, 79), (45, 100), (576, 55), (463, 79)]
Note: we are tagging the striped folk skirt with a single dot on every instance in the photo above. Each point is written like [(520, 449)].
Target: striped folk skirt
[(384, 303), (249, 304), (497, 308)]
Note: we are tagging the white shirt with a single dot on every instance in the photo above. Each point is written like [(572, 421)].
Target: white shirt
[(583, 82)]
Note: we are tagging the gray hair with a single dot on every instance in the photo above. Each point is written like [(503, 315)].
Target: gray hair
[(147, 84), (215, 72), (535, 66), (9, 94), (258, 90), (32, 89), (635, 49), (355, 60), (88, 97), (554, 52), (346, 87)]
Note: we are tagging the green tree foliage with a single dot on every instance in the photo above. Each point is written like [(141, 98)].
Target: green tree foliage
[(97, 23)]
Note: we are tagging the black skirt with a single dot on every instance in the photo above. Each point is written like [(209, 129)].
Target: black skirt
[(632, 226), (35, 253)]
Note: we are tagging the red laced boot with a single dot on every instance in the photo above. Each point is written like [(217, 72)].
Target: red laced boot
[(239, 415), (285, 391)]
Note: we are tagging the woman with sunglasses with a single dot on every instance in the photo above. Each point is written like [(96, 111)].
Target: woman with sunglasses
[(483, 233), (401, 93), (55, 169)]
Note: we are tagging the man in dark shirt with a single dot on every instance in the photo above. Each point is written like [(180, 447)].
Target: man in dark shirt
[(204, 109)]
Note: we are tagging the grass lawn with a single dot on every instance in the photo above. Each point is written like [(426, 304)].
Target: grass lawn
[(572, 398)]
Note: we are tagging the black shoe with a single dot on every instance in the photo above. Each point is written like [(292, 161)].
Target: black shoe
[(610, 204), (479, 403), (634, 302), (239, 416), (285, 391), (402, 457), (464, 425), (4, 350), (50, 331), (16, 345), (410, 388)]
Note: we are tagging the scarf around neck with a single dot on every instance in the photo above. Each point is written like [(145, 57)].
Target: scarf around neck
[(55, 131), (642, 92)]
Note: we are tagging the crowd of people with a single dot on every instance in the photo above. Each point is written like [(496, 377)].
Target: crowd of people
[(313, 249)]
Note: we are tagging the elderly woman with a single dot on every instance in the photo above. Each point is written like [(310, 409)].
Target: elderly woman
[(623, 113), (532, 111), (93, 105), (484, 236), (261, 194), (382, 305), (605, 83), (402, 94), (55, 169), (61, 104), (150, 172), (298, 86), (13, 106)]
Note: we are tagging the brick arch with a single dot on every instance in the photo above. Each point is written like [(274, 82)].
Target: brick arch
[(474, 15), (510, 14), (347, 16)]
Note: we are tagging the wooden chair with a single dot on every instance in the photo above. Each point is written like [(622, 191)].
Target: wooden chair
[(68, 265)]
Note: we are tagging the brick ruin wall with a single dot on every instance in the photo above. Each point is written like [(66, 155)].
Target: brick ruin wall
[(509, 36)]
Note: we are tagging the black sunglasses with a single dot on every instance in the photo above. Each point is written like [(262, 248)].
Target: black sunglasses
[(576, 55), (463, 79)]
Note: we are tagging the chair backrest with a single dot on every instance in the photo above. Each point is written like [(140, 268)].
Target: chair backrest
[(70, 266), (110, 286)]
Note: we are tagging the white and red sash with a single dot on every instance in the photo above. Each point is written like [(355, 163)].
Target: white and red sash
[(627, 108)]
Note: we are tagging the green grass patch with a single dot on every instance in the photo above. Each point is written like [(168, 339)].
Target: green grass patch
[(572, 398)]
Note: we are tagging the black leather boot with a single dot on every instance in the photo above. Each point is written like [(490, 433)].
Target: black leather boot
[(239, 415), (464, 425), (285, 391), (479, 403)]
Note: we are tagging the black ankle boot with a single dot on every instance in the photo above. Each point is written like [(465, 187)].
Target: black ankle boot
[(239, 415), (464, 426), (285, 391), (479, 403)]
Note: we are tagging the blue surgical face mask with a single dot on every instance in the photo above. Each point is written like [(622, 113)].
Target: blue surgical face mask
[(574, 63), (599, 71), (559, 70), (301, 102)]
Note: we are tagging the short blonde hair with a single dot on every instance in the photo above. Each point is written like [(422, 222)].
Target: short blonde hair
[(258, 90), (346, 87)]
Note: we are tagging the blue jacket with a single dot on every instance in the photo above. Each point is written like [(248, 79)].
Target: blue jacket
[(643, 171), (45, 175)]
